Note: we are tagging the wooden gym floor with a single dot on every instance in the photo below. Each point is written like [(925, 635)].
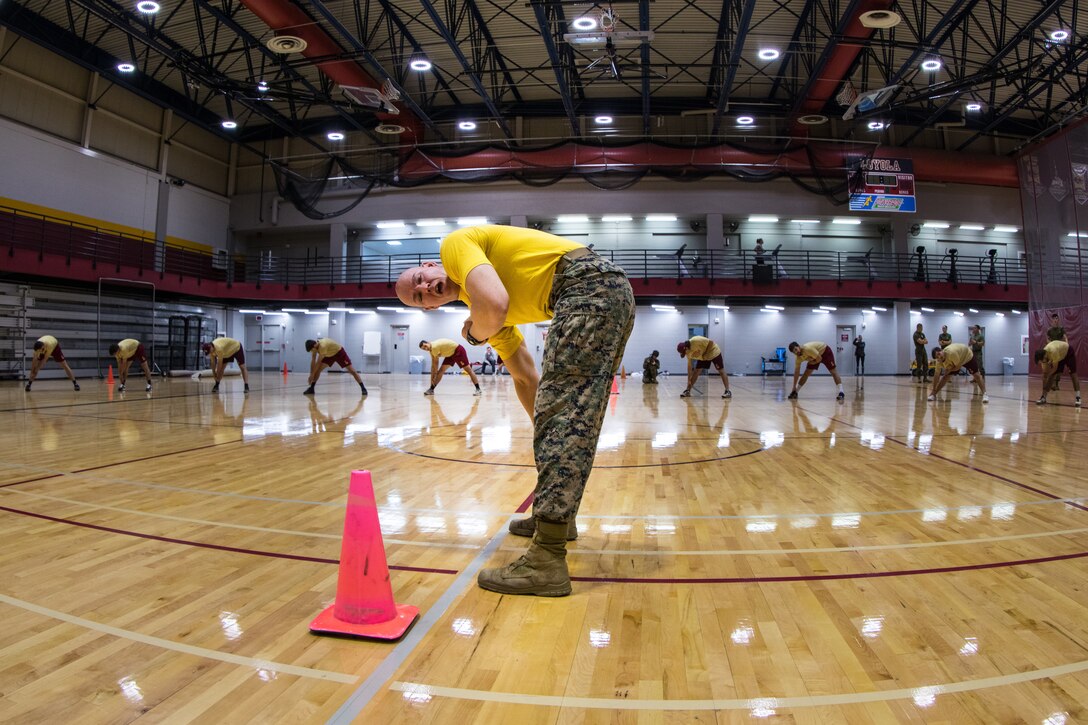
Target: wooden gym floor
[(754, 560)]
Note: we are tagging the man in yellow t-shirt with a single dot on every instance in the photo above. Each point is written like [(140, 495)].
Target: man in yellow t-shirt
[(814, 353), (1058, 356), (325, 353), (950, 359), (46, 347), (510, 276), (700, 352), (451, 354), (221, 351), (125, 352)]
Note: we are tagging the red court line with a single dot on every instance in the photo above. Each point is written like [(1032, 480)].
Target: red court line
[(525, 504), (832, 577), (970, 467), (201, 544), (32, 480), (157, 455)]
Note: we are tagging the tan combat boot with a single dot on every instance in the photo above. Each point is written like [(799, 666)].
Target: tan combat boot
[(527, 527), (541, 570)]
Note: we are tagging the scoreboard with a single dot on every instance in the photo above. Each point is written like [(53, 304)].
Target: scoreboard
[(885, 185)]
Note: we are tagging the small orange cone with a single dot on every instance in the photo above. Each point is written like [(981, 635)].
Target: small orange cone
[(364, 597), (615, 385), (623, 372), (109, 375), (285, 368)]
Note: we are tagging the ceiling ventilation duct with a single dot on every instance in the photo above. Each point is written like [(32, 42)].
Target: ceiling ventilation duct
[(285, 44)]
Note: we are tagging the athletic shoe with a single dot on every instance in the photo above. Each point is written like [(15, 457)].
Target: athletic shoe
[(308, 391), (27, 388), (478, 393), (362, 390), (932, 398), (429, 391), (75, 385), (246, 390), (841, 396), (727, 394), (985, 398), (1041, 401), (792, 395), (121, 388), (147, 389), (1077, 401), (215, 388), (685, 394)]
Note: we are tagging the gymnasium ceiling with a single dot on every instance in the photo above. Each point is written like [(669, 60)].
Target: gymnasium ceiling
[(677, 70)]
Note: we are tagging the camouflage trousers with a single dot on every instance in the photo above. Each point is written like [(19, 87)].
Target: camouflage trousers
[(594, 311)]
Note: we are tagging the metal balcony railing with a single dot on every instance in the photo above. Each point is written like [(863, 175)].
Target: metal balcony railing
[(48, 235)]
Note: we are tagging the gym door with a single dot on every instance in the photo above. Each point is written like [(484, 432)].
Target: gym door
[(398, 362)]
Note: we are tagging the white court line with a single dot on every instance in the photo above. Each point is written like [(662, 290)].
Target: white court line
[(507, 514), (205, 522), (256, 664), (573, 551), (818, 550), (419, 692)]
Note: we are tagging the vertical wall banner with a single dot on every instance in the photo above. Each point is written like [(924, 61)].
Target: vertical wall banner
[(883, 185)]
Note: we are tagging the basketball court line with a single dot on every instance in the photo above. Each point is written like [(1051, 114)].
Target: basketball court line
[(375, 682), (576, 551), (255, 663), (205, 545), (524, 506), (761, 706)]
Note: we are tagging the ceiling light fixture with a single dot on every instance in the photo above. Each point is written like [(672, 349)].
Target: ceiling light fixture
[(125, 67), (973, 107), (999, 314), (603, 120), (805, 221), (421, 65), (927, 309), (572, 218), (467, 125), (262, 86), (253, 312), (745, 120), (586, 22), (931, 65), (846, 220), (335, 136), (763, 218), (829, 308), (879, 309), (769, 54), (393, 243), (1059, 35), (972, 227), (1016, 312), (616, 218), (229, 125), (660, 218), (431, 223), (1007, 230), (876, 125), (774, 307), (390, 225), (148, 7), (821, 311), (972, 310), (471, 221), (935, 225)]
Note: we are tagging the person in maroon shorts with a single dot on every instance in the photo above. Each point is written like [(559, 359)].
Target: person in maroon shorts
[(815, 354), (324, 353), (125, 352), (451, 354), (47, 348)]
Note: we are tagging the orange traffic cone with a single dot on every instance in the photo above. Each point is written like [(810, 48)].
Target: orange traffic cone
[(364, 597), (623, 372), (109, 375), (615, 385), (285, 368)]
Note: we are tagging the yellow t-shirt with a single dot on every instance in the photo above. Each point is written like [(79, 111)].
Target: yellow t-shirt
[(49, 344), (703, 348), (327, 347), (224, 347), (443, 347), (524, 260), (956, 354), (812, 352), (127, 348), (1056, 350)]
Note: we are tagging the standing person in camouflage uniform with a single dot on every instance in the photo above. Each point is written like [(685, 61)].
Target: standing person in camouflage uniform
[(510, 276), (921, 357), (978, 341)]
